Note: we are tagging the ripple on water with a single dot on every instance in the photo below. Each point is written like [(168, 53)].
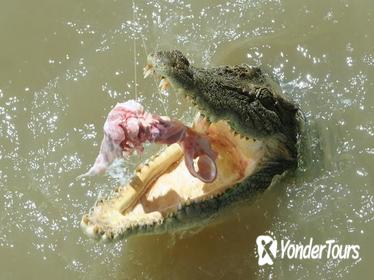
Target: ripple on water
[(48, 137)]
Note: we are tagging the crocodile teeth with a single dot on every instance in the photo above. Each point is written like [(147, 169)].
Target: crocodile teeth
[(164, 84), (148, 70), (85, 219), (97, 230)]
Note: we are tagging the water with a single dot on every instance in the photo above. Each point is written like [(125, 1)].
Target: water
[(63, 65)]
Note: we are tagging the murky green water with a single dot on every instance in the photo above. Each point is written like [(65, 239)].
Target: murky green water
[(64, 64)]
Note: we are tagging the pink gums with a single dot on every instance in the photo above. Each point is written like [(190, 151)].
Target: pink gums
[(128, 127)]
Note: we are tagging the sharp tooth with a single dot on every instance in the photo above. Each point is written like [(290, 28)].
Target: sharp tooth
[(164, 84), (148, 73), (96, 230), (148, 70), (85, 219), (160, 85)]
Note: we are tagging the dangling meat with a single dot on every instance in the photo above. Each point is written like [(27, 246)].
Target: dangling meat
[(128, 127)]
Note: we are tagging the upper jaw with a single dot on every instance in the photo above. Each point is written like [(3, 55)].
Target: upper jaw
[(153, 66), (150, 70)]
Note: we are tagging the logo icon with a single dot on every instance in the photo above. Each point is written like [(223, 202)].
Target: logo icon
[(266, 249)]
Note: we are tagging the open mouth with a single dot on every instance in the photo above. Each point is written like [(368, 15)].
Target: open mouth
[(163, 185)]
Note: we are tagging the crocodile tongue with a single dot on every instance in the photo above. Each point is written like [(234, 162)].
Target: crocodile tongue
[(128, 127), (196, 146)]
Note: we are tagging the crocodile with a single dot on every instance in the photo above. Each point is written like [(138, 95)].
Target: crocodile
[(252, 126)]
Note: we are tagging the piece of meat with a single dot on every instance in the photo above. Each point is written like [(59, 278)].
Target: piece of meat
[(128, 127)]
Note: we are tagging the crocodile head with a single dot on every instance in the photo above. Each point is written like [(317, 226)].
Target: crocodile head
[(251, 127)]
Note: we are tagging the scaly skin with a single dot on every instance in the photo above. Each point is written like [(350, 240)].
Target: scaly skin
[(242, 96)]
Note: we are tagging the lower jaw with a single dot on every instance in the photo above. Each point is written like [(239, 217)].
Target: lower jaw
[(163, 185)]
